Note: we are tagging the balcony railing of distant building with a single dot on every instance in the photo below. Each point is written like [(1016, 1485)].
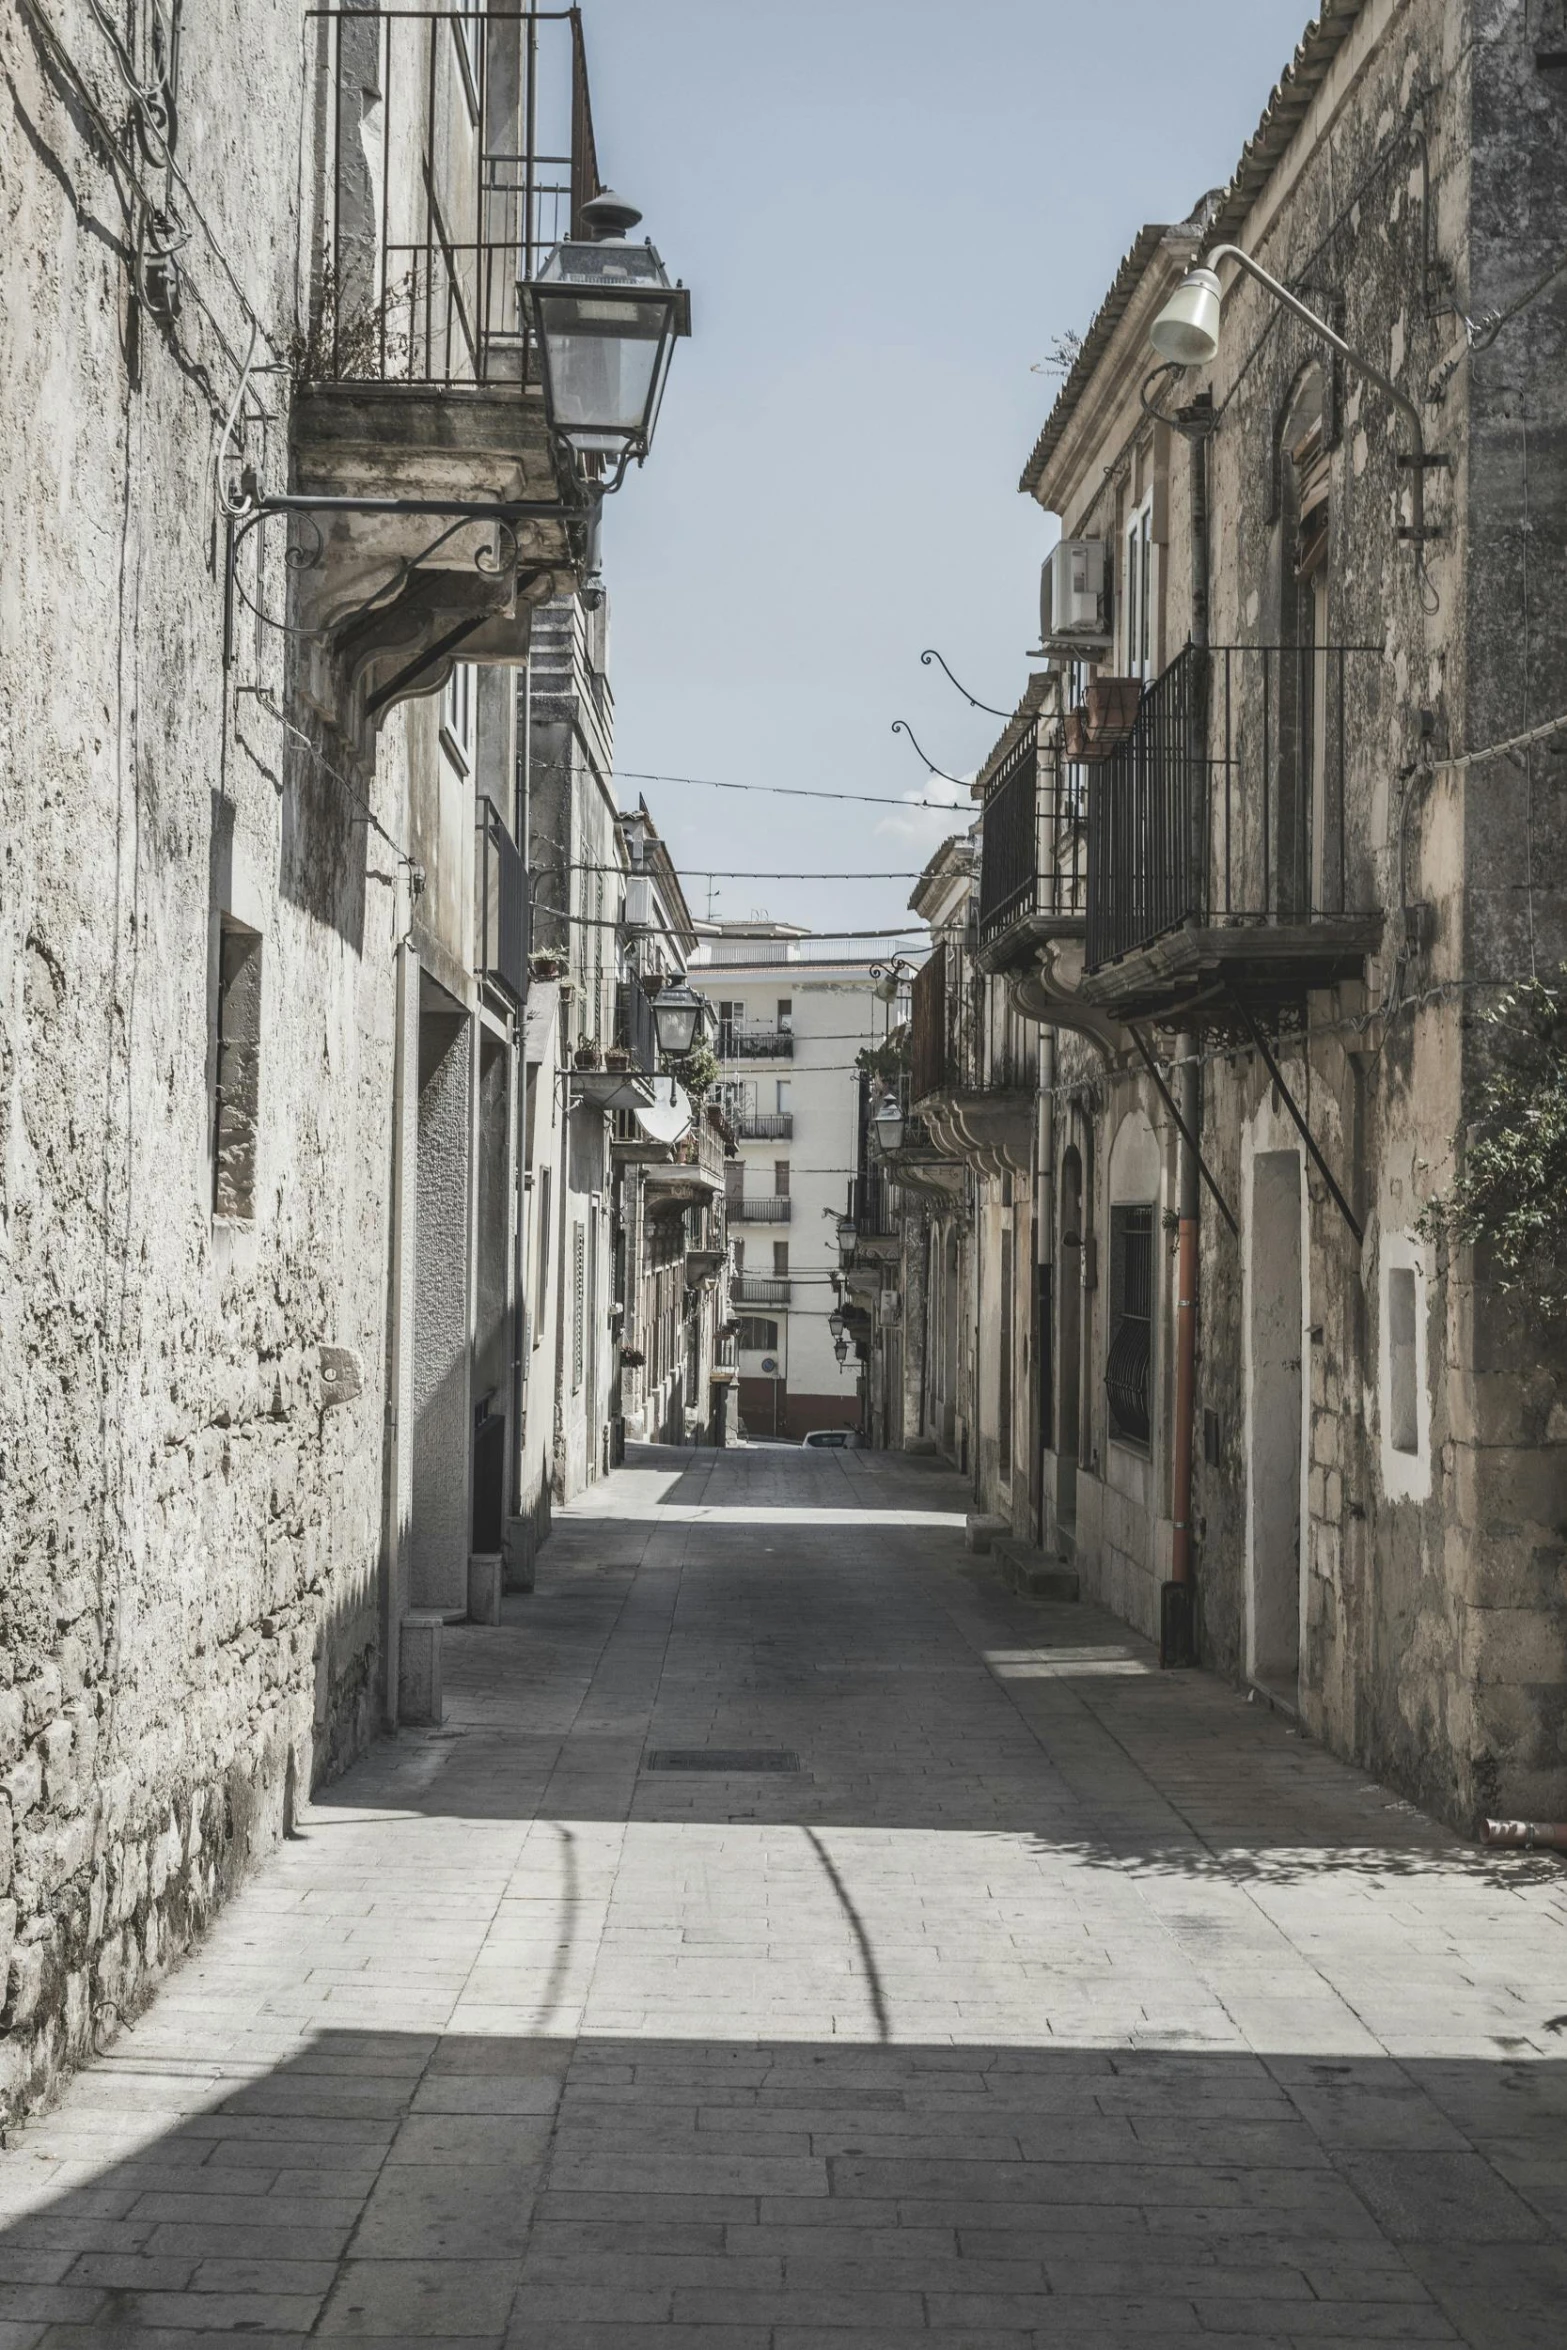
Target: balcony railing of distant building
[(459, 152), (764, 1125), (754, 1209), (760, 1289), (1032, 863), (1225, 806), (754, 1044)]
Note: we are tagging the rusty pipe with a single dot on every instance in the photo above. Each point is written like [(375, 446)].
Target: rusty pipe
[(1530, 1835)]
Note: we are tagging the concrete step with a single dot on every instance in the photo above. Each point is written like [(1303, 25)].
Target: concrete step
[(1033, 1571)]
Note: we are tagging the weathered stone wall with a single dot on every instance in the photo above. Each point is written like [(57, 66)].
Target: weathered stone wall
[(188, 1623), (1433, 1619)]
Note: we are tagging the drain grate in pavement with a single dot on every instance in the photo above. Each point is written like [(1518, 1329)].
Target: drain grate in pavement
[(722, 1758)]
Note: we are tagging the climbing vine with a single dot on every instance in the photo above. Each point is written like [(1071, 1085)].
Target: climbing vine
[(1510, 1195)]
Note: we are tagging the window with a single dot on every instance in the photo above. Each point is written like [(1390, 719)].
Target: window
[(457, 717), (780, 1179), (1402, 1396), (785, 1014), (238, 1103), (781, 1259), (1129, 1362), (1139, 593), (739, 1249), (579, 1303), (784, 1096), (541, 1271), (758, 1336)]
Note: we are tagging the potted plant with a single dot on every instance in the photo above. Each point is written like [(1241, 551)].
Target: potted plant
[(617, 1056), (543, 965), (587, 1054), (632, 1358)]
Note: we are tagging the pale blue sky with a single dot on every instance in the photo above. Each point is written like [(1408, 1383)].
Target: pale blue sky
[(886, 210)]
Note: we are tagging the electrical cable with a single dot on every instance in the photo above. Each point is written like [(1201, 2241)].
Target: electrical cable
[(786, 791)]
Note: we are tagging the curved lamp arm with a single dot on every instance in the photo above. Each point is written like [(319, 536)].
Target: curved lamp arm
[(1418, 459)]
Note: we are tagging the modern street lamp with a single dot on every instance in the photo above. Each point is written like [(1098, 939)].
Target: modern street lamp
[(677, 1014), (605, 319), (887, 1126), (1186, 334)]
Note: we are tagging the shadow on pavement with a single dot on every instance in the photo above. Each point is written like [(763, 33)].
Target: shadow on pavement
[(572, 2194)]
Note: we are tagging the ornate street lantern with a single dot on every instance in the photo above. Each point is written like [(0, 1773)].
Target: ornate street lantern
[(606, 320), (887, 1126), (677, 1014)]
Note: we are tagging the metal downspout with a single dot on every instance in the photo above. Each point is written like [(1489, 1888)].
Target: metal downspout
[(1177, 1614), (1044, 1259)]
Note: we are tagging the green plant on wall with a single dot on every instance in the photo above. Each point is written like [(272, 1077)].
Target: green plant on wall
[(696, 1070), (1509, 1197), (888, 1061)]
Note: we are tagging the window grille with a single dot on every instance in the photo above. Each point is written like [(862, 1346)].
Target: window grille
[(1128, 1366)]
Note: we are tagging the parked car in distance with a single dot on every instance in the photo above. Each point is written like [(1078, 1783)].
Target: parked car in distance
[(832, 1440)]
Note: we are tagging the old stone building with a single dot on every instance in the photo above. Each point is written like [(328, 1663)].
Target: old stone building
[(1262, 843), (281, 496)]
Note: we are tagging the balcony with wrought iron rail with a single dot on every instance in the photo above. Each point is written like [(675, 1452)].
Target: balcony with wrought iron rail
[(764, 1125), (753, 1044), (759, 1208), (760, 1289), (1032, 875), (425, 507), (971, 1111), (1224, 864)]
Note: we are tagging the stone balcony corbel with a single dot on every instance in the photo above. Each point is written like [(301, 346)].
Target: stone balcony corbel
[(1046, 990), (425, 525), (991, 1131)]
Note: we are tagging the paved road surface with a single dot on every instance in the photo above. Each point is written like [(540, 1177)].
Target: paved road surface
[(1050, 2001)]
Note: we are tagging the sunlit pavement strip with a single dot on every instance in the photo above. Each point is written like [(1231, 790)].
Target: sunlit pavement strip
[(1053, 2001)]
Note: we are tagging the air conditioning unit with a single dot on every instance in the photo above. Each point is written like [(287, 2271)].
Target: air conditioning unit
[(1073, 604)]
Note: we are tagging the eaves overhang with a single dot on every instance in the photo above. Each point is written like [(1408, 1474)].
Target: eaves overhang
[(1220, 216)]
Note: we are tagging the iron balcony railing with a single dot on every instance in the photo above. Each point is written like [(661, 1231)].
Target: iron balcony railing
[(929, 1054), (870, 1204), (760, 1289), (457, 150), (754, 1210), (1226, 804), (764, 1125), (1032, 854), (754, 1044)]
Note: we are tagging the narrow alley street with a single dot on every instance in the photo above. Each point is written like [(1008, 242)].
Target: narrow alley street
[(1027, 1995)]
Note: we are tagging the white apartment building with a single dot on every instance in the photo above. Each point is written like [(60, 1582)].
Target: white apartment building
[(789, 1029)]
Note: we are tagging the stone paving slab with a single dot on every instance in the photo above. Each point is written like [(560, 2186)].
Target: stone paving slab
[(1054, 2001)]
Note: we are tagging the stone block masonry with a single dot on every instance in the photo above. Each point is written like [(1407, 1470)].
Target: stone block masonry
[(196, 1059)]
